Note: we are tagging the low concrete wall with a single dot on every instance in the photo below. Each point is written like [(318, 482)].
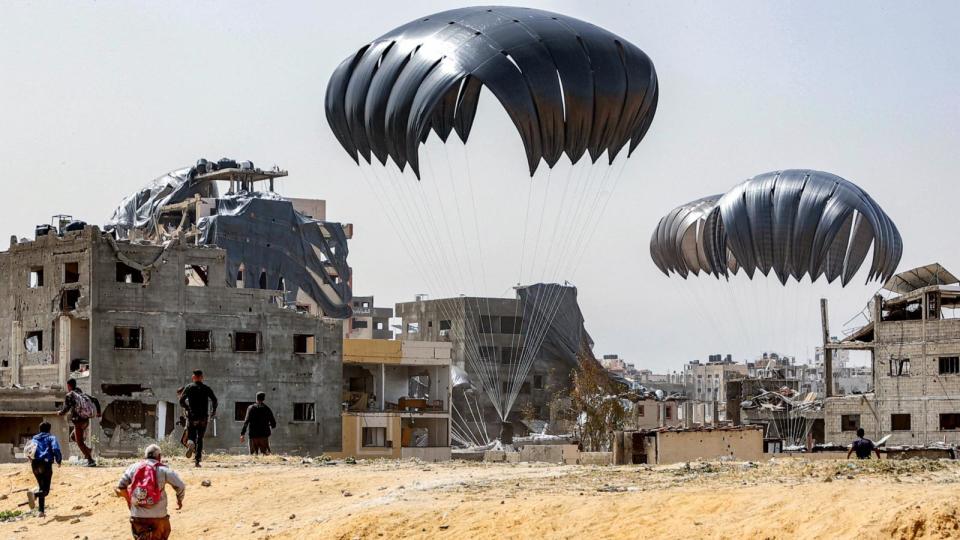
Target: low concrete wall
[(499, 456), (739, 445), (426, 454), (467, 455), (595, 458), (548, 453), (812, 456)]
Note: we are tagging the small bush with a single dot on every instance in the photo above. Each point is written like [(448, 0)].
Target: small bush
[(9, 515)]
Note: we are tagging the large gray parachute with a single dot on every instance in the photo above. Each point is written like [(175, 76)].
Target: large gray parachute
[(567, 85), (791, 222)]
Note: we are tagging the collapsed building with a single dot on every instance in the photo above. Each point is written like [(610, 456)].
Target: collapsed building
[(247, 285), (495, 331), (913, 338)]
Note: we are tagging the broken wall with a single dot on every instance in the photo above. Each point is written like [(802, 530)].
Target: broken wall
[(35, 321), (163, 307), (685, 446)]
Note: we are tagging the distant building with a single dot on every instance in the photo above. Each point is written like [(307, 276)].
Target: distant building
[(368, 322), (616, 365), (707, 382)]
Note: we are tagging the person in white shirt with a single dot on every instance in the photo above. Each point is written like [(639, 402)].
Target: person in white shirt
[(151, 522)]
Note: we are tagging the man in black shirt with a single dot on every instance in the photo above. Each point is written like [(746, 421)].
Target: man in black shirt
[(195, 399), (862, 446), (260, 420)]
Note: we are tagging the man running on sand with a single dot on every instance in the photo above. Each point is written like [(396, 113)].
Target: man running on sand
[(260, 420), (196, 400), (82, 407), (43, 449), (143, 485)]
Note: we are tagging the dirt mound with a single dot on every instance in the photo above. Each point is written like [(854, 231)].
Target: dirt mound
[(919, 521)]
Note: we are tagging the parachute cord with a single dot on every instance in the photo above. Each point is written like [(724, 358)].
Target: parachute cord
[(392, 212), (485, 337), (471, 350), (476, 224), (536, 248)]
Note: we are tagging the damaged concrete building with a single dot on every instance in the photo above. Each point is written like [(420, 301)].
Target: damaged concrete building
[(913, 338), (494, 331), (246, 285), (396, 397)]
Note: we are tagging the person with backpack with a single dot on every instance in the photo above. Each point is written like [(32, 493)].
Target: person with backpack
[(42, 450), (260, 420), (82, 407), (143, 485), (196, 399)]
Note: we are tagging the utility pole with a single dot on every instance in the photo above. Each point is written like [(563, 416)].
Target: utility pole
[(827, 352)]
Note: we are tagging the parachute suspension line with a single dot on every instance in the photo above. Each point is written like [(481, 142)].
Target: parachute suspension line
[(555, 296), (466, 425), (543, 309), (485, 368), (523, 249), (477, 415), (478, 336), (524, 338), (541, 319), (458, 432), (514, 368), (434, 255), (482, 263), (592, 229)]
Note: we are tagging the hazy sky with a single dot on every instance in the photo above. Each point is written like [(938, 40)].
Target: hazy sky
[(99, 98)]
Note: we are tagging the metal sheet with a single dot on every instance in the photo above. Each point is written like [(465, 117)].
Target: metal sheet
[(262, 231), (920, 277), (568, 86)]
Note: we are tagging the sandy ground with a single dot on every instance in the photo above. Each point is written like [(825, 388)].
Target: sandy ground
[(285, 498)]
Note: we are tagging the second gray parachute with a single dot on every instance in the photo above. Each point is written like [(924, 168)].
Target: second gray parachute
[(793, 222)]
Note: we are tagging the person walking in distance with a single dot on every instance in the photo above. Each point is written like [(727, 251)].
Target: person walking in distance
[(42, 450), (862, 446), (260, 420), (82, 407), (143, 485), (196, 399)]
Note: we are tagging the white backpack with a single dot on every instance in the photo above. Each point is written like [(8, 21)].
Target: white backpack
[(30, 449)]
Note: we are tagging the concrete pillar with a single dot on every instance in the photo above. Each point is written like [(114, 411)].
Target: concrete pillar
[(715, 413), (827, 352), (63, 349), (687, 414), (16, 351), (161, 419), (618, 450), (661, 413)]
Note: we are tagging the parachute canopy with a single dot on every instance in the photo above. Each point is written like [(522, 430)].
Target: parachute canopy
[(793, 222), (567, 85)]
